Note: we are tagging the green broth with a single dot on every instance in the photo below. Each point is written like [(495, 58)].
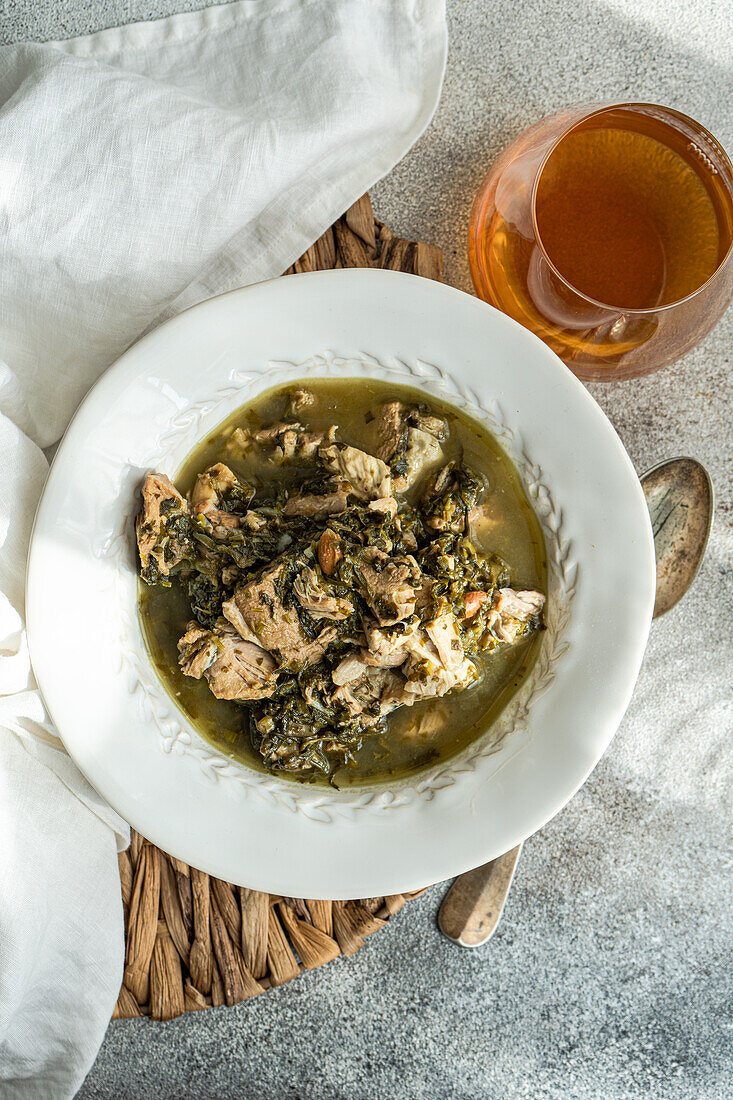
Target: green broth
[(418, 736)]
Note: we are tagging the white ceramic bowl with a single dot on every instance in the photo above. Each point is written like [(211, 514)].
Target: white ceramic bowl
[(123, 729)]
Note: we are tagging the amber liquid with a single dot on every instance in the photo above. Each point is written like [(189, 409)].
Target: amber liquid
[(626, 219), (628, 215)]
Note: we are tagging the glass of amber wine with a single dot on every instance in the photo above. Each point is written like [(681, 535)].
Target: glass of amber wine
[(607, 231)]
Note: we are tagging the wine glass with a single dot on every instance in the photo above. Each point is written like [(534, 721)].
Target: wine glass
[(607, 231)]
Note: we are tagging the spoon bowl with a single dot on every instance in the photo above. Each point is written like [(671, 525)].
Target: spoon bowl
[(679, 496)]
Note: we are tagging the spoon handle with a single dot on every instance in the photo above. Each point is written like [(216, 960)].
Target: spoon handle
[(472, 908)]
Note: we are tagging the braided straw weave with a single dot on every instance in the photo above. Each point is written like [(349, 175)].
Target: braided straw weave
[(193, 941)]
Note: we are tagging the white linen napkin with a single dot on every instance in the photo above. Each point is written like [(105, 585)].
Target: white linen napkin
[(143, 169)]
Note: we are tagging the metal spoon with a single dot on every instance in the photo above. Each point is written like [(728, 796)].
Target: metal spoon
[(679, 496)]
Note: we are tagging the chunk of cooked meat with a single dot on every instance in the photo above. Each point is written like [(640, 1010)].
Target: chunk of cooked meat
[(422, 454), (513, 612), (520, 605), (331, 502), (276, 627), (253, 521), (443, 633), (309, 442), (424, 594), (392, 418), (197, 650), (431, 659), (428, 677), (389, 647), (390, 425), (351, 668), (409, 441), (293, 440), (431, 656), (386, 506), (162, 528), (368, 476), (436, 663), (213, 491), (327, 635), (230, 611), (300, 400), (434, 681), (242, 671), (388, 584), (272, 432), (235, 669), (221, 478), (363, 689), (319, 603), (437, 426)]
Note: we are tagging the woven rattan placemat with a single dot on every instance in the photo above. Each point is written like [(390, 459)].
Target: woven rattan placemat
[(193, 941)]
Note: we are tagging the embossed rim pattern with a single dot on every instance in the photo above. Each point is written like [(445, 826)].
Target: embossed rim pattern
[(188, 376)]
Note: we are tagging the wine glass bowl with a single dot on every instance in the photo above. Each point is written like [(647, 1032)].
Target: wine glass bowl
[(607, 231)]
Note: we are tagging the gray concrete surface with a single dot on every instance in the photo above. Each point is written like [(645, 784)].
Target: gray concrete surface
[(610, 976)]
